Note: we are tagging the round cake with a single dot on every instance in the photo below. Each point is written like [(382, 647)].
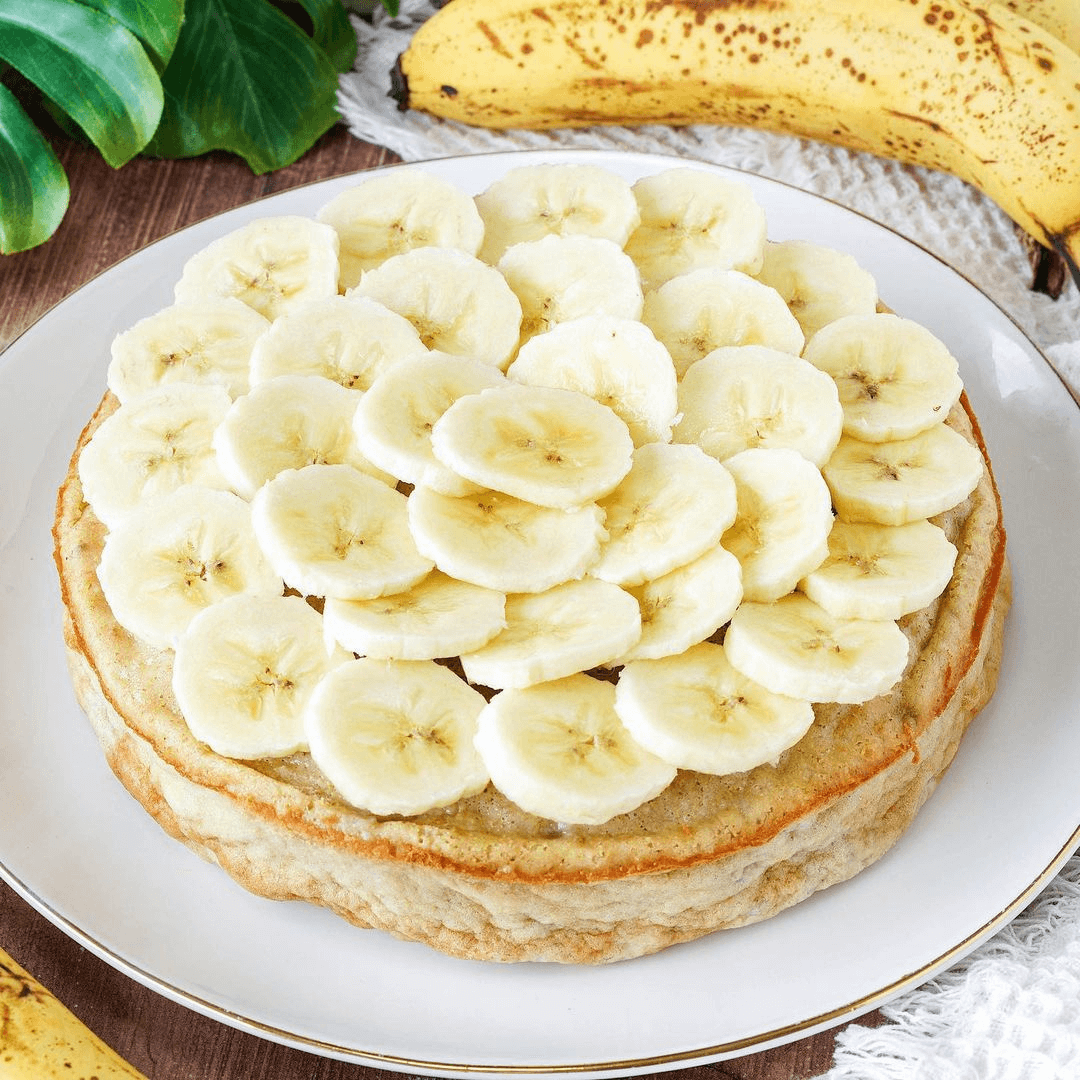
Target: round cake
[(555, 573)]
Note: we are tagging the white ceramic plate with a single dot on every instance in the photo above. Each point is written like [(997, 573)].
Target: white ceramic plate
[(1004, 819)]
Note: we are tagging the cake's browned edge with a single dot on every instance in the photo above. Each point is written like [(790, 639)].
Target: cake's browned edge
[(993, 598)]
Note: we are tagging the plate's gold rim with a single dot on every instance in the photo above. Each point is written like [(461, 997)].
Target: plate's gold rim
[(629, 1066)]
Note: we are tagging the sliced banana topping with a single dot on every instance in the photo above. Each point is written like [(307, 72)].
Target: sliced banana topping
[(692, 218), (744, 397), (532, 201), (881, 571), (818, 283), (794, 647), (396, 736), (781, 530), (708, 308), (244, 670), (203, 341), (569, 427), (613, 360), (350, 340), (571, 627), (696, 711), (672, 506), (151, 445), (559, 278), (176, 554), (272, 264), (438, 617), (457, 304), (893, 483), (505, 543), (286, 423), (548, 446), (330, 530), (686, 605), (386, 214), (561, 752), (394, 419), (895, 378)]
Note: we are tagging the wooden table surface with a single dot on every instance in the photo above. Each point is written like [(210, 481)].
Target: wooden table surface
[(113, 214)]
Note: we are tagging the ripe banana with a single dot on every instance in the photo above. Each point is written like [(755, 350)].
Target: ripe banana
[(975, 90), (43, 1040)]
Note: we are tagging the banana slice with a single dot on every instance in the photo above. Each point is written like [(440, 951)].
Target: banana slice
[(394, 419), (707, 308), (795, 647), (330, 530), (691, 218), (387, 214), (244, 670), (742, 397), (571, 627), (893, 483), (396, 736), (532, 201), (548, 446), (819, 284), (616, 361), (457, 304), (153, 444), (286, 423), (558, 278), (504, 543), (781, 531), (881, 571), (672, 506), (695, 711), (272, 264), (350, 340), (209, 341), (561, 752), (437, 617), (687, 605), (895, 378), (176, 554)]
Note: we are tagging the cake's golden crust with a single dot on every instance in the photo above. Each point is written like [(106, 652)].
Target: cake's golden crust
[(484, 880)]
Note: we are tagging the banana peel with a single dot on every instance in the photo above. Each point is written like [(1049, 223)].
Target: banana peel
[(40, 1039)]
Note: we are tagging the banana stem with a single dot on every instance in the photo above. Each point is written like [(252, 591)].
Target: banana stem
[(1067, 247)]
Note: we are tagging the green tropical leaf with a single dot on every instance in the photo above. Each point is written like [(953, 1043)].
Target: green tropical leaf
[(173, 78), (332, 31), (156, 23), (88, 65), (245, 78), (33, 186)]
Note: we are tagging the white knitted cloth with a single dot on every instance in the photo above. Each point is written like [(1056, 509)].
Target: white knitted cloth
[(1011, 1010)]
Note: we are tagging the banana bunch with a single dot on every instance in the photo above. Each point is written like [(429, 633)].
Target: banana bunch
[(989, 92), (478, 520), (43, 1040)]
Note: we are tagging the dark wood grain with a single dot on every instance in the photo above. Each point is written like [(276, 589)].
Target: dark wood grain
[(114, 213)]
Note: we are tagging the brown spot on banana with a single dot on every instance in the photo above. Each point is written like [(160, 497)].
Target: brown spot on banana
[(490, 34), (990, 37)]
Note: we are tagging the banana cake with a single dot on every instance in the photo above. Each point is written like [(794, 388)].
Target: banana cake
[(558, 572)]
